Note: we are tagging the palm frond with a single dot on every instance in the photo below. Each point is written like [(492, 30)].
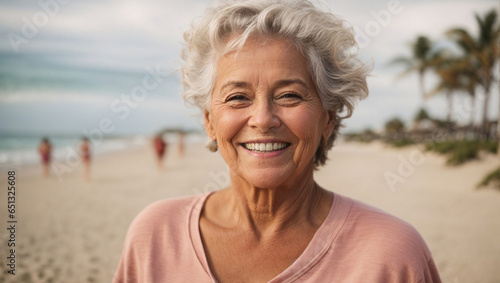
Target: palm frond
[(439, 88), (421, 47), (404, 73), (463, 38), (401, 61)]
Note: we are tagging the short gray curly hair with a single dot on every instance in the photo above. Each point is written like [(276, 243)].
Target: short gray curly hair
[(324, 39)]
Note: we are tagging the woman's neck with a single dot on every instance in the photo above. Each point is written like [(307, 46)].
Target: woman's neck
[(267, 211)]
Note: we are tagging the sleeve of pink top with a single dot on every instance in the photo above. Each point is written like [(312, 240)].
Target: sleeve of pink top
[(135, 254), (157, 247)]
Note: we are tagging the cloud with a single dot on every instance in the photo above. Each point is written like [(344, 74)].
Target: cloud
[(83, 54), (53, 97), (113, 34), (422, 18), (157, 20)]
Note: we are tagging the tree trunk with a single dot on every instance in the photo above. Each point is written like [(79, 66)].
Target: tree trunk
[(498, 122), (472, 109), (449, 96), (421, 83), (484, 123), (485, 108)]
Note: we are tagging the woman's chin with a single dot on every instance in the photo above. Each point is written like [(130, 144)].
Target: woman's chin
[(267, 178)]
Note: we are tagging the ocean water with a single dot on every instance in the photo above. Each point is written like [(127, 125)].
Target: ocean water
[(18, 150)]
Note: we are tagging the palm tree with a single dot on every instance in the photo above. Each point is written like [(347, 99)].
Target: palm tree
[(421, 116), (394, 126), (419, 62), (456, 75), (469, 83), (448, 83), (482, 52)]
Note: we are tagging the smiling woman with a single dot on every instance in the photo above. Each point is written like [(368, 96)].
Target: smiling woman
[(274, 80), (264, 97)]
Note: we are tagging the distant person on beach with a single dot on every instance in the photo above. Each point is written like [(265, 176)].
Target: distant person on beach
[(274, 79), (182, 145), (45, 150), (160, 147), (85, 153)]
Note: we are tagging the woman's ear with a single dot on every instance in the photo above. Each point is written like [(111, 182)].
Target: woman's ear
[(208, 125), (330, 124)]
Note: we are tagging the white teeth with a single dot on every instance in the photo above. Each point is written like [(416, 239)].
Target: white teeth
[(269, 147), (265, 147)]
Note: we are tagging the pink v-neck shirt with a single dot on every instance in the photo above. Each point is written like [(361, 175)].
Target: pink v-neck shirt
[(355, 243)]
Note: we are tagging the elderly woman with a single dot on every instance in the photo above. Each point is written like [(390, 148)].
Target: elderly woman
[(274, 80)]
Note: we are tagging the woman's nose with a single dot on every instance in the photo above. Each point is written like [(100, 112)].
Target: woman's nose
[(263, 116)]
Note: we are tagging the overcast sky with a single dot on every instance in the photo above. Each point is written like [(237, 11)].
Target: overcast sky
[(66, 66)]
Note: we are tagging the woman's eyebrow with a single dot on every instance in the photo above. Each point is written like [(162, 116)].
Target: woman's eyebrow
[(278, 84), (282, 83), (234, 84)]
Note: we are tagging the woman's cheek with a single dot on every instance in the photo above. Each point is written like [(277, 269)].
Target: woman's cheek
[(303, 123), (228, 122)]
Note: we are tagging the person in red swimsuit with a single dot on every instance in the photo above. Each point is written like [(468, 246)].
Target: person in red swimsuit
[(182, 135), (85, 154), (160, 146), (45, 150)]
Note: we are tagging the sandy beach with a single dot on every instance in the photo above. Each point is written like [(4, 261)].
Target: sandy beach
[(70, 230)]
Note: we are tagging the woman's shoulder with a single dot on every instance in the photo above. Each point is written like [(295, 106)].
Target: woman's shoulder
[(381, 221), (375, 246), (164, 215), (170, 205), (157, 238), (378, 230), (384, 233)]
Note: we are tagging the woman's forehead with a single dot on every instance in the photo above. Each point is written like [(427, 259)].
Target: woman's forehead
[(256, 55), (254, 44)]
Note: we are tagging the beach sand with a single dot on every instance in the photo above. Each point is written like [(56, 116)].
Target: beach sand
[(73, 231)]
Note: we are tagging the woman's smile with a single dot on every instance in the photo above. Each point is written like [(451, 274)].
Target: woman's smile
[(265, 147)]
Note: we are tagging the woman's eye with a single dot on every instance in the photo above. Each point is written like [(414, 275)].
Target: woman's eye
[(236, 98), (238, 101), (289, 99), (291, 95)]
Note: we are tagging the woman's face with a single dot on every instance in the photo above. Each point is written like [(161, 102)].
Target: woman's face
[(265, 113)]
